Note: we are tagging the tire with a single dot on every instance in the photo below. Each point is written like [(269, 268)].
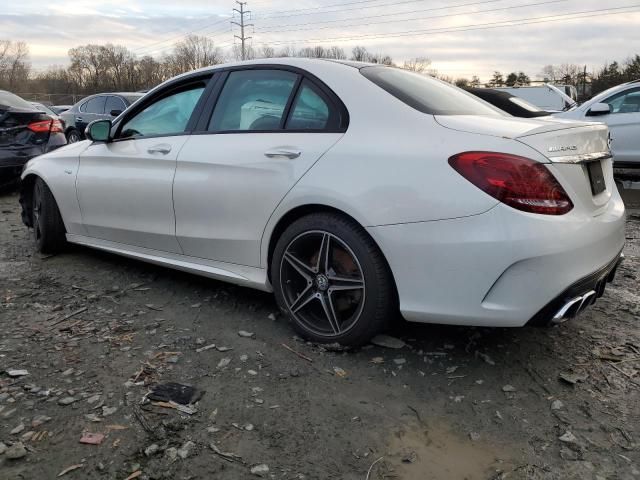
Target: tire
[(332, 281), (49, 231), (73, 136)]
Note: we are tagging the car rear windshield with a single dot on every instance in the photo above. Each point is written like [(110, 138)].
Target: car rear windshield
[(426, 94), (9, 100), (132, 98)]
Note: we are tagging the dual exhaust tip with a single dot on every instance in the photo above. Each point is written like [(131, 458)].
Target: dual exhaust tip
[(575, 305)]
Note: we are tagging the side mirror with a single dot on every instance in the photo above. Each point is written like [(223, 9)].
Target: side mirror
[(98, 131), (599, 109), (115, 113)]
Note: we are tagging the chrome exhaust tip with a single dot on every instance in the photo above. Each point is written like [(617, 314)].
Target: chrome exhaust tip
[(574, 306)]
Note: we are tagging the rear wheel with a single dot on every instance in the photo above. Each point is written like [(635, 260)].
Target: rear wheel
[(73, 136), (48, 227), (332, 280)]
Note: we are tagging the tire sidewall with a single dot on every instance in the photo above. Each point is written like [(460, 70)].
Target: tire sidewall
[(74, 133), (349, 233)]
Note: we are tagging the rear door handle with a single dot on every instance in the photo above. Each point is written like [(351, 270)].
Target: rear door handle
[(163, 148), (283, 152), (78, 119)]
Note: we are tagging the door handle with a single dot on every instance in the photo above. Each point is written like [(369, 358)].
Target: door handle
[(283, 152), (163, 148), (78, 119)]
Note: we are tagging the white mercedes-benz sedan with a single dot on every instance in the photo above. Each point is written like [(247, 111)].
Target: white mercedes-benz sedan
[(353, 191)]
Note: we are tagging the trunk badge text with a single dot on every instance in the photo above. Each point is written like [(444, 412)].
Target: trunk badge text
[(564, 148)]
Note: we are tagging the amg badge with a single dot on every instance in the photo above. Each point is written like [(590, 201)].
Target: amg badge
[(566, 148)]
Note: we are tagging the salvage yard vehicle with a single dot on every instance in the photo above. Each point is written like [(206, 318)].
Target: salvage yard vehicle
[(95, 107), (619, 108), (351, 190), (25, 132), (516, 106), (546, 97)]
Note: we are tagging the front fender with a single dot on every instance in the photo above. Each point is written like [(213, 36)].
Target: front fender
[(58, 169)]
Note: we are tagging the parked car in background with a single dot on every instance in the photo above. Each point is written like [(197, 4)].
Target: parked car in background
[(351, 190), (547, 97), (25, 132), (58, 109), (619, 108), (43, 108), (103, 106), (516, 106)]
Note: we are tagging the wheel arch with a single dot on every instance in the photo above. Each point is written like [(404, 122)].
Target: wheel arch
[(26, 198), (300, 211)]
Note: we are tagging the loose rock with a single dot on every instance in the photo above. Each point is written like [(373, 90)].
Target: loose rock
[(16, 451), (260, 470), (387, 341)]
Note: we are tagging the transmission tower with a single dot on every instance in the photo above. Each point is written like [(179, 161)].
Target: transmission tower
[(242, 12)]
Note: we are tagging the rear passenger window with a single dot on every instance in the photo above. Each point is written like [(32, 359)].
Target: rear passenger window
[(310, 110), (253, 100), (95, 105), (114, 103)]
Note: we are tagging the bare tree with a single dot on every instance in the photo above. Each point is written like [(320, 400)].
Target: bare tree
[(417, 64), (14, 63), (194, 52), (266, 52)]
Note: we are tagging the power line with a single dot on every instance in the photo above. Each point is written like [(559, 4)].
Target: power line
[(218, 33), (146, 47), (512, 7), (465, 28), (392, 4)]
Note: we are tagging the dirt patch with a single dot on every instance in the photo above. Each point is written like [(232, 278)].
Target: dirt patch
[(433, 452), (95, 332)]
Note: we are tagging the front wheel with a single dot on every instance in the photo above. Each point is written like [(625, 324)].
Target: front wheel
[(47, 223), (332, 281)]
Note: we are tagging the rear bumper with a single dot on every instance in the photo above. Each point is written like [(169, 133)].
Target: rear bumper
[(578, 296), (501, 268)]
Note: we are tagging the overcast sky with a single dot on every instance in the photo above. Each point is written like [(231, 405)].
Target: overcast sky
[(403, 29)]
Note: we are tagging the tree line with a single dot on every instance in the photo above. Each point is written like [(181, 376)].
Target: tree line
[(97, 68)]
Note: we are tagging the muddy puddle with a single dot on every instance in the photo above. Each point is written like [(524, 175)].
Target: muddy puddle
[(431, 451)]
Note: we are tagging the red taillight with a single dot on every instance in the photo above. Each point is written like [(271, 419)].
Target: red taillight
[(56, 127), (519, 182), (44, 126)]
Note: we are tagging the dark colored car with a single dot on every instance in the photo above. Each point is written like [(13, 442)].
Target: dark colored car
[(44, 108), (103, 106), (58, 109), (511, 104), (25, 132)]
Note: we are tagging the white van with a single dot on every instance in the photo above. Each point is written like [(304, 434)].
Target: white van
[(547, 97)]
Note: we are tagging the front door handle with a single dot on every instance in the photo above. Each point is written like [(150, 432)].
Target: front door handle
[(78, 119), (163, 148), (283, 152)]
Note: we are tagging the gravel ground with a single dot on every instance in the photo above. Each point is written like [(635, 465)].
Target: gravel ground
[(95, 332)]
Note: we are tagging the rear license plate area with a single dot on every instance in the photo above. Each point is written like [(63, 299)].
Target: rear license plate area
[(596, 177)]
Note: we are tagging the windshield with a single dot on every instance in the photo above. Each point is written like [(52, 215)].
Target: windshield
[(13, 101), (426, 94)]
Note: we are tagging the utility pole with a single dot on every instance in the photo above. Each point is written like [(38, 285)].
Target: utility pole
[(242, 26)]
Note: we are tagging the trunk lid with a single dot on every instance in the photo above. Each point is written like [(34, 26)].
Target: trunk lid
[(14, 131), (572, 149)]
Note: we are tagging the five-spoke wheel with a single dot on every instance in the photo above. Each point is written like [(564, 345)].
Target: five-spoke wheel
[(332, 280)]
